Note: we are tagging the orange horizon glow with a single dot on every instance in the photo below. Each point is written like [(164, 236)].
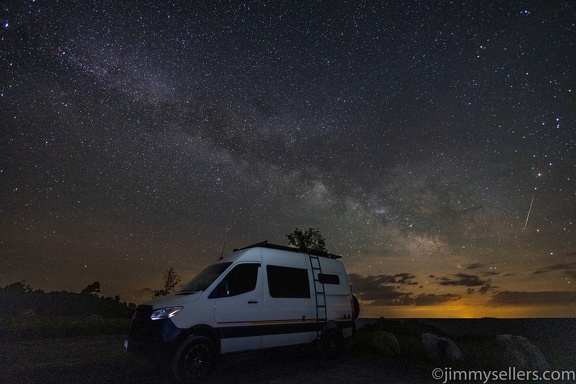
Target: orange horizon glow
[(465, 312)]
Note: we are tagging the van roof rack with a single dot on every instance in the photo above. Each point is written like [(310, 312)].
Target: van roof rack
[(266, 244)]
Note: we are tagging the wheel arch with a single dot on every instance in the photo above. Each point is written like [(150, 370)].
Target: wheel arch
[(332, 325), (201, 330), (331, 341)]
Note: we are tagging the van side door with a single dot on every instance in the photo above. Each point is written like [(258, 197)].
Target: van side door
[(288, 306), (238, 302)]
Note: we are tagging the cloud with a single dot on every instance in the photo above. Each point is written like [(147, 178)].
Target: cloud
[(479, 265), (467, 280), (505, 298), (404, 278), (485, 288), (382, 289), (374, 282), (407, 298), (386, 295), (385, 290), (567, 268), (572, 274), (432, 299), (462, 279)]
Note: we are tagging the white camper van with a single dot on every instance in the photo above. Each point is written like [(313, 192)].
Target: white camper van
[(260, 296)]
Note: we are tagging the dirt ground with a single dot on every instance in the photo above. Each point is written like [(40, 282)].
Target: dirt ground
[(101, 359)]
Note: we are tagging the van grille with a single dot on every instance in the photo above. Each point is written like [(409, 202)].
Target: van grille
[(142, 328)]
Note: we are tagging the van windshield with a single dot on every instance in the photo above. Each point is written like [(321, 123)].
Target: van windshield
[(204, 278)]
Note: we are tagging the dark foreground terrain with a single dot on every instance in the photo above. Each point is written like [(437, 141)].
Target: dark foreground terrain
[(40, 357), (101, 359)]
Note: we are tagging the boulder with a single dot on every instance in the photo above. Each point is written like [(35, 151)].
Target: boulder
[(385, 343), (520, 352), (440, 348)]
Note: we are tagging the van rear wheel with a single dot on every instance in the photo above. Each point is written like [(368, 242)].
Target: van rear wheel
[(193, 359), (331, 343)]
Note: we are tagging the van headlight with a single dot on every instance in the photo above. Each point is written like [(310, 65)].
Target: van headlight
[(165, 313)]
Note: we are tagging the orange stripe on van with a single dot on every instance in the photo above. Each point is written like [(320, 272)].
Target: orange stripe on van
[(271, 322)]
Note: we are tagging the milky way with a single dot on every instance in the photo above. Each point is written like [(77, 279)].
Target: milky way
[(418, 138)]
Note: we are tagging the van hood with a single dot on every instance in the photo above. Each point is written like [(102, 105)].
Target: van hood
[(173, 300)]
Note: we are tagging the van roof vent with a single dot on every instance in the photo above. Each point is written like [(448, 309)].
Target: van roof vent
[(266, 244)]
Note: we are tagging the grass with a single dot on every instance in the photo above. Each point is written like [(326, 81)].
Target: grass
[(15, 328)]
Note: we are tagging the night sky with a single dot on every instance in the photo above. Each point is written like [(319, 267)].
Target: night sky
[(432, 143)]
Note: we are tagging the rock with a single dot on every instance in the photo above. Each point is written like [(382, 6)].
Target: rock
[(520, 352), (440, 348), (385, 343)]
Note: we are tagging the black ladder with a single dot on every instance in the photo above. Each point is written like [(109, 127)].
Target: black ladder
[(320, 294)]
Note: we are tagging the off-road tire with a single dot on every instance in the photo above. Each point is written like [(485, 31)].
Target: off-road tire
[(193, 360), (330, 344)]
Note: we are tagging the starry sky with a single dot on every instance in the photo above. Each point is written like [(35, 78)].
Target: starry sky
[(432, 143)]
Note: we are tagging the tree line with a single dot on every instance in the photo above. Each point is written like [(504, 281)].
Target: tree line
[(19, 298)]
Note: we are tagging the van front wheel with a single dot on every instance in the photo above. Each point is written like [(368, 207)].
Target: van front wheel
[(331, 344), (193, 359)]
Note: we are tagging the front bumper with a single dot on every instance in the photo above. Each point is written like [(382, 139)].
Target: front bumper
[(148, 336)]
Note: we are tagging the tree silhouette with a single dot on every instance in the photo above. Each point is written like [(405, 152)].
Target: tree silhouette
[(18, 287), (92, 289), (171, 278), (306, 241)]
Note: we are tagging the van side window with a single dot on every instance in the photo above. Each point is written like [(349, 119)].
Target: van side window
[(241, 279), (285, 282), (326, 278)]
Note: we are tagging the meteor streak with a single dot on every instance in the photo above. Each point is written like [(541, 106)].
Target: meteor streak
[(529, 210)]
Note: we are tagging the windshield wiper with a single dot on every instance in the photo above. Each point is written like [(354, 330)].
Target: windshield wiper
[(188, 292)]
